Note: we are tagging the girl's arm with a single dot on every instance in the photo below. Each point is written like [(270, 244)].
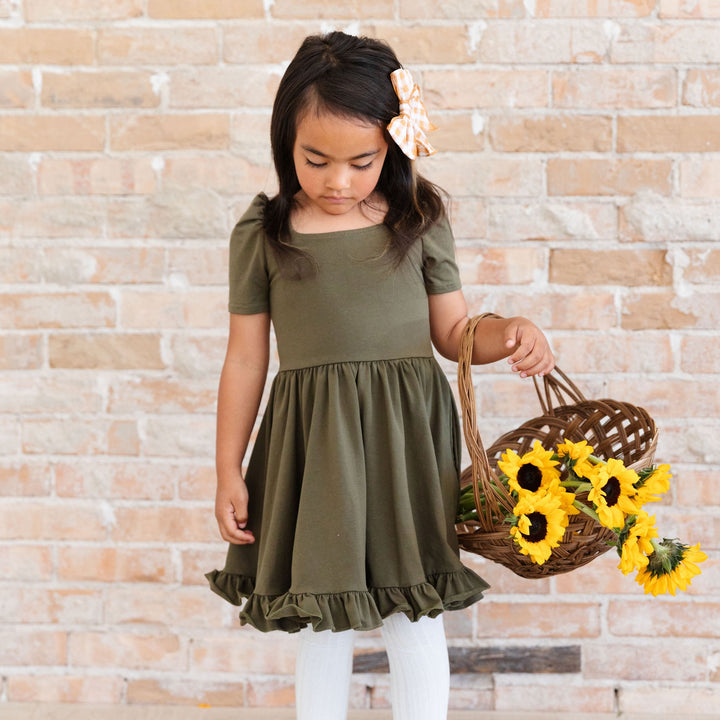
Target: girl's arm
[(518, 339), (241, 386)]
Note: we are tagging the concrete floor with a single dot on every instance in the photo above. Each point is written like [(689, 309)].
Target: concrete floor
[(33, 711)]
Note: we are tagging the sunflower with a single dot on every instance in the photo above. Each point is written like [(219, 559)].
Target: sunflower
[(577, 455), (634, 542), (652, 484), (534, 471), (540, 526), (613, 493), (670, 566)]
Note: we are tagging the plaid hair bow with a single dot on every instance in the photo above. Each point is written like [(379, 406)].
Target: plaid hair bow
[(407, 128)]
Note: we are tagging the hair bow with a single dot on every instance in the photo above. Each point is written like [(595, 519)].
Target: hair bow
[(407, 128)]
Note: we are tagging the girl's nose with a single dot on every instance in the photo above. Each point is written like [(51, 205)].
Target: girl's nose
[(338, 178)]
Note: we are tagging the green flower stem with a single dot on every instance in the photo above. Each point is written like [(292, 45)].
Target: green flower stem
[(580, 485), (588, 511)]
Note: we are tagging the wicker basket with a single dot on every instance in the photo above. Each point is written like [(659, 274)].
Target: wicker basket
[(615, 429)]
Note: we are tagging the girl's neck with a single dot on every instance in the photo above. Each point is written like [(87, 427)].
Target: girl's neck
[(307, 218)]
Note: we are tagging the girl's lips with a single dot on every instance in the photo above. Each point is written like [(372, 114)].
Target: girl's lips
[(334, 199)]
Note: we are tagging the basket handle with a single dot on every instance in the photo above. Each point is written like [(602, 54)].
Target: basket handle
[(497, 501), (556, 391)]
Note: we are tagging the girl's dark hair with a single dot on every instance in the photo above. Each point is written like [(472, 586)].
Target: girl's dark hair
[(346, 76)]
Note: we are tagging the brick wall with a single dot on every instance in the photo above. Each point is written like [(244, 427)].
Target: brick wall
[(581, 143)]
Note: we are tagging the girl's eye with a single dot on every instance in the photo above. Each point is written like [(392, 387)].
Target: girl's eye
[(314, 165), (363, 167)]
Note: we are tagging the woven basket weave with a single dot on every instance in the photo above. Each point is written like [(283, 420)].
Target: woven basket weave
[(615, 429)]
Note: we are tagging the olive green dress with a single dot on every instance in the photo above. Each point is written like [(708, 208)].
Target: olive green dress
[(353, 477)]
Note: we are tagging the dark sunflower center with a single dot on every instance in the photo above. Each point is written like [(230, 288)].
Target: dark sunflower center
[(529, 477), (612, 491), (538, 527)]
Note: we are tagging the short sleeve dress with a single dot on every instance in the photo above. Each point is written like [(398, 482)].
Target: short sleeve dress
[(353, 476)]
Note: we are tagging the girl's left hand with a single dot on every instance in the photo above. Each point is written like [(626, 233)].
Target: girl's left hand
[(529, 348)]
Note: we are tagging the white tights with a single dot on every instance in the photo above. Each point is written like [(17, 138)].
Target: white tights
[(419, 670)]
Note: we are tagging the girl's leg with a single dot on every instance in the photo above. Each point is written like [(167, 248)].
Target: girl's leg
[(419, 667), (322, 674)]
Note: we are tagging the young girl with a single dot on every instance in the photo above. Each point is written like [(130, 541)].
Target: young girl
[(344, 520)]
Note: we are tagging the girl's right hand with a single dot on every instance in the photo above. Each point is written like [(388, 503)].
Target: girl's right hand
[(231, 502)]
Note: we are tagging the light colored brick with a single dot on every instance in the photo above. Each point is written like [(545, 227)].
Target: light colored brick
[(135, 651), (341, 10), (16, 178), (69, 10), (174, 436), (16, 89), (117, 351), (494, 175), (675, 701), (250, 136), (677, 619), (471, 88), (609, 176), (601, 572), (20, 265), (693, 9), (51, 394), (21, 352), (529, 620), (105, 265), (689, 42), (426, 44), (700, 178), (60, 607), (551, 221), (96, 176), (555, 696), (551, 134), (65, 218), (189, 213), (174, 310), (205, 9), (700, 265), (64, 688), (593, 8), (123, 480), (51, 46), (221, 174), (162, 395), (169, 132), (702, 88), (85, 89), (271, 692), (79, 436), (699, 354), (31, 563), (223, 87), (457, 132), (10, 436), (254, 42), (500, 266), (614, 88), (54, 310), (165, 523), (50, 521), (468, 9), (115, 564), (21, 647), (664, 310), (647, 216), (549, 42), (39, 133), (652, 133), (197, 356), (610, 267), (202, 693), (614, 353), (184, 607), (157, 46), (246, 650), (195, 563), (24, 480)]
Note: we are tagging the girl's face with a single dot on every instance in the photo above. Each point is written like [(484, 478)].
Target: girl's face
[(338, 161)]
